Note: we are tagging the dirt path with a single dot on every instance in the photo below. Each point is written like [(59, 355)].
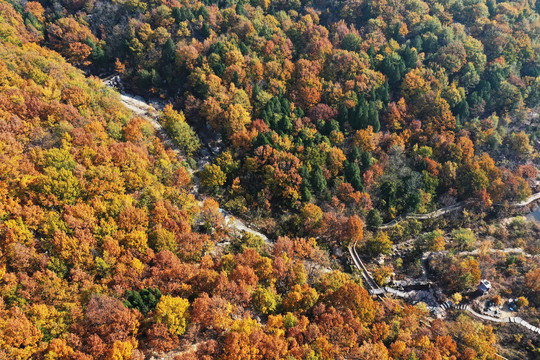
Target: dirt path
[(150, 113), (451, 208), (519, 251), (527, 201), (431, 215), (142, 109)]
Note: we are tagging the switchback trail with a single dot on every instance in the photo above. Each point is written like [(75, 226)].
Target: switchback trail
[(374, 289)]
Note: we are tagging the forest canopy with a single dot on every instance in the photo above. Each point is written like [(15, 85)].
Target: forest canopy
[(318, 101), (325, 119)]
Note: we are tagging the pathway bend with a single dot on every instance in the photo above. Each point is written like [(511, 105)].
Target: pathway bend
[(150, 113)]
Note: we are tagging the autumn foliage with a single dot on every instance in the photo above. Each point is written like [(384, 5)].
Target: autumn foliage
[(329, 123)]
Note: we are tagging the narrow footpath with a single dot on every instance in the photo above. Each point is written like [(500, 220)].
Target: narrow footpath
[(150, 112), (452, 208)]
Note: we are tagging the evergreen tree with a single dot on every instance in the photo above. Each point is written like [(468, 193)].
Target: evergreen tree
[(351, 42), (430, 44), (285, 106), (371, 52), (276, 104), (366, 160), (352, 175), (417, 43), (353, 118), (306, 194), (484, 89), (355, 153), (260, 140), (343, 114), (256, 91), (374, 219), (413, 200), (240, 9), (168, 52), (205, 31), (373, 117), (330, 126), (219, 69), (177, 14), (304, 174), (389, 193), (491, 5), (181, 14), (318, 181), (236, 79), (382, 93), (359, 117), (244, 49), (217, 48), (397, 35), (459, 121), (393, 67), (97, 54), (284, 125), (366, 13), (203, 11), (462, 109), (156, 79), (474, 99), (144, 300), (30, 19), (265, 117), (409, 56)]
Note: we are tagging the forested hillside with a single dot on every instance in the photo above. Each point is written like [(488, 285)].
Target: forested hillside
[(352, 105), (101, 257), (334, 116)]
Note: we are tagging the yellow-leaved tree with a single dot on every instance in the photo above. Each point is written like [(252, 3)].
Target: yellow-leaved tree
[(173, 311), (180, 131), (121, 350), (212, 176)]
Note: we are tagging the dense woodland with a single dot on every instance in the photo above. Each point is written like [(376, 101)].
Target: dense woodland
[(336, 116), (350, 105)]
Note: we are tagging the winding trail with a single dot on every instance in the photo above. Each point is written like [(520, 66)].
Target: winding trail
[(519, 251), (432, 215), (374, 289), (239, 225), (527, 201), (451, 208), (150, 113), (363, 270)]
